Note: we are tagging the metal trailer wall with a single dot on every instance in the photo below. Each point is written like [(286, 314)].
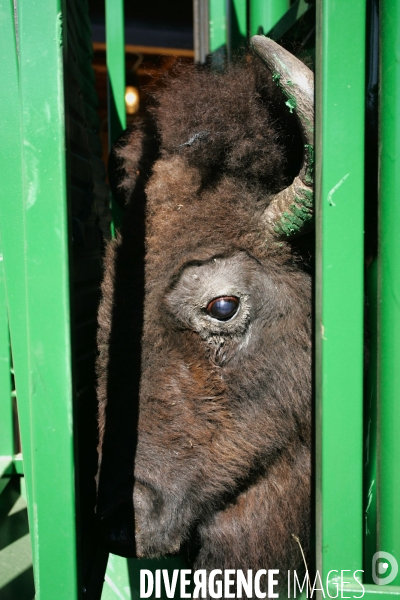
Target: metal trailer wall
[(54, 202), (340, 285), (356, 514), (34, 233)]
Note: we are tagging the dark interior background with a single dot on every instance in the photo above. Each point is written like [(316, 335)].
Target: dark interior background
[(158, 33), (154, 22)]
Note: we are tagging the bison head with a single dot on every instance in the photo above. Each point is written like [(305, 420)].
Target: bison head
[(205, 330)]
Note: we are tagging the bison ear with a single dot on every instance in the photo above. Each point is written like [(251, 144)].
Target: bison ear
[(290, 213), (131, 159)]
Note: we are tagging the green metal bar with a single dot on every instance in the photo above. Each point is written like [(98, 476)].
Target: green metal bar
[(49, 406), (339, 285), (122, 579), (11, 465), (35, 244), (6, 417), (297, 10), (218, 32), (115, 43), (12, 224), (370, 432), (389, 284), (237, 26), (115, 39), (18, 464), (265, 14), (367, 591), (6, 468)]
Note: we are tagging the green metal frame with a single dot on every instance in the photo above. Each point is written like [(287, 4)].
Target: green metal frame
[(265, 14), (6, 416), (339, 302), (388, 498), (115, 38), (33, 215), (340, 284), (288, 19), (218, 32), (236, 13)]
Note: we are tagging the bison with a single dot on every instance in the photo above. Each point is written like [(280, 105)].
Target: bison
[(205, 333)]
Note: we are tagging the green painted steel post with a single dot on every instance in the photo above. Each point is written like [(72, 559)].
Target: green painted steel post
[(35, 244), (218, 32), (6, 414), (339, 286), (42, 34), (237, 26), (389, 284), (12, 224), (115, 43), (115, 38), (264, 14), (370, 457), (6, 418)]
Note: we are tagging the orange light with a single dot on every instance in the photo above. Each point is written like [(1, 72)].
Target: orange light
[(131, 99)]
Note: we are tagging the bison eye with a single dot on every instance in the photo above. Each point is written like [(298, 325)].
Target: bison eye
[(223, 308)]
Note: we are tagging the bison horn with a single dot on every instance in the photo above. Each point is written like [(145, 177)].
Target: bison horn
[(290, 213)]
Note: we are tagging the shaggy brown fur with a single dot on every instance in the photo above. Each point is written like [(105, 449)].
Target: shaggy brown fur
[(206, 423)]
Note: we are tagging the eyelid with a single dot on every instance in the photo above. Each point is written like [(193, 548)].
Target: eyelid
[(234, 298), (221, 316)]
